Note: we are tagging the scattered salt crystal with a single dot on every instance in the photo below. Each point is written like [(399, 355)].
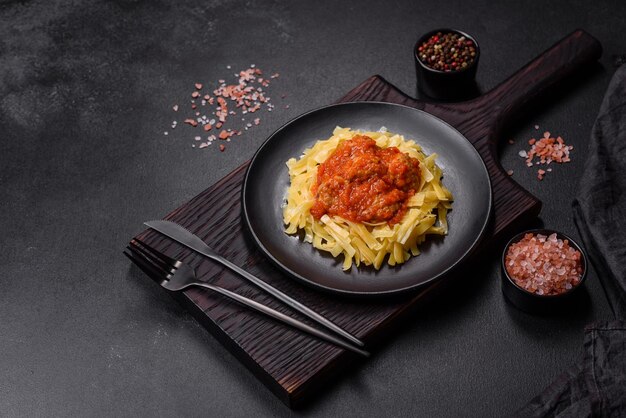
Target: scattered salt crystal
[(546, 150), (246, 94)]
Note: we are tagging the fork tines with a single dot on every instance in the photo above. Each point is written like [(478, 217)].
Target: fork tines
[(156, 265)]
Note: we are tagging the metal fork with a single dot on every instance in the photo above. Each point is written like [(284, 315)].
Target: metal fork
[(187, 238), (175, 275)]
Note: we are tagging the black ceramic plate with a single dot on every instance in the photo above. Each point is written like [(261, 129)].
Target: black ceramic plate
[(465, 174)]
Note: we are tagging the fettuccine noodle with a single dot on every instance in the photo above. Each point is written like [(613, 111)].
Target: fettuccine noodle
[(366, 243)]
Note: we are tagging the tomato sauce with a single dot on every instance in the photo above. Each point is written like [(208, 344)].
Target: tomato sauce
[(362, 182)]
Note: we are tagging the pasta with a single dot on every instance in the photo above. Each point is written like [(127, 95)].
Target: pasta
[(362, 242)]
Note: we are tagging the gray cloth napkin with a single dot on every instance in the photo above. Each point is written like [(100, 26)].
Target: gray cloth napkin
[(600, 204), (596, 385)]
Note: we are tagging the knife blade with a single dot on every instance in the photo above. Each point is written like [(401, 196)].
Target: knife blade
[(187, 238)]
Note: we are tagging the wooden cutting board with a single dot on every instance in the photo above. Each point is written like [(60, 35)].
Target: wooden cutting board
[(292, 364)]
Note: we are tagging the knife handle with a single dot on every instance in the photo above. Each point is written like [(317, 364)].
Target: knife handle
[(281, 317), (286, 299)]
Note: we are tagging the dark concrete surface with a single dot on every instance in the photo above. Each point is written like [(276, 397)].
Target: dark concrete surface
[(86, 90)]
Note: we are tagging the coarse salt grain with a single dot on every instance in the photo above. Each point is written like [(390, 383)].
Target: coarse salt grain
[(246, 95), (545, 265), (546, 150)]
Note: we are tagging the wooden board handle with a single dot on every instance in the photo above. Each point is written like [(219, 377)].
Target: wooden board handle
[(562, 59)]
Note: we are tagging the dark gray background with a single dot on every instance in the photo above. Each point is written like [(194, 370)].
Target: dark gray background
[(86, 90)]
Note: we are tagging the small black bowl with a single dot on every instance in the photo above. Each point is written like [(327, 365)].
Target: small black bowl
[(446, 85), (532, 302)]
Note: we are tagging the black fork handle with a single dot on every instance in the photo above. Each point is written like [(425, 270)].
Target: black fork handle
[(281, 317)]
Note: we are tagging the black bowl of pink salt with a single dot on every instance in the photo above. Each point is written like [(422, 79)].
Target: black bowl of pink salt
[(542, 271), (445, 62)]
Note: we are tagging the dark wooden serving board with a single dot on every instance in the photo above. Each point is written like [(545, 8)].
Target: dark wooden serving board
[(294, 365)]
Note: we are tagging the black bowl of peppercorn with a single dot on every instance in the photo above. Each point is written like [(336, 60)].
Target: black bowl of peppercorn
[(446, 61)]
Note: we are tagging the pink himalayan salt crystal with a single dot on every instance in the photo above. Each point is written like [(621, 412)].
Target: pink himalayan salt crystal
[(545, 265)]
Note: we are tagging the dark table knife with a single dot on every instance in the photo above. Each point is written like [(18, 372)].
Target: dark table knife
[(187, 238)]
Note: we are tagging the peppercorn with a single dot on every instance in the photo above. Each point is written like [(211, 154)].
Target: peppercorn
[(447, 52)]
